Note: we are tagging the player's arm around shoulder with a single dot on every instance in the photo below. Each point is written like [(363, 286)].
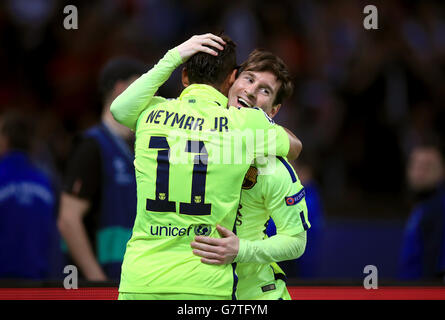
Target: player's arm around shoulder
[(295, 145), (286, 143)]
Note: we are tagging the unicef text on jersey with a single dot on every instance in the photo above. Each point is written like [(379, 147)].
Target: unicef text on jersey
[(174, 231)]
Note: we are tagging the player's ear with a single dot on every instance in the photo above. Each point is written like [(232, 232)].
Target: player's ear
[(274, 110), (232, 77), (185, 78)]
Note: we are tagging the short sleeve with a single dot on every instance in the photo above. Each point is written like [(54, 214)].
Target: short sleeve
[(83, 173)]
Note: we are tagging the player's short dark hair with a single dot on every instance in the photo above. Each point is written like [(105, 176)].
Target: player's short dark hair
[(118, 69), (17, 129), (212, 70), (261, 60)]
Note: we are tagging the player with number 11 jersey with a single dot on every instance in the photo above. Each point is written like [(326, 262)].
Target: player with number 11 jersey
[(190, 165)]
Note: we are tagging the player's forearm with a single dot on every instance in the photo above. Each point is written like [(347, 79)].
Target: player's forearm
[(72, 229), (128, 106), (295, 145), (80, 249), (273, 249)]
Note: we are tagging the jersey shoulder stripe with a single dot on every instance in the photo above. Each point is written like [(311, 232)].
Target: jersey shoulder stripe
[(289, 168)]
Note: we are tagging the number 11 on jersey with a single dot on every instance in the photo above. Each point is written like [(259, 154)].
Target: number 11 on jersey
[(162, 202)]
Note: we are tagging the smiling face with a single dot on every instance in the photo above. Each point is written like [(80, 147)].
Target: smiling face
[(255, 89)]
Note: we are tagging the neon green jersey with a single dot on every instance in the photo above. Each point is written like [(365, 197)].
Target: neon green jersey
[(276, 193), (191, 155)]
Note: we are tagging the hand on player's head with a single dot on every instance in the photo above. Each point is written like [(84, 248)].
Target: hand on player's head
[(207, 43)]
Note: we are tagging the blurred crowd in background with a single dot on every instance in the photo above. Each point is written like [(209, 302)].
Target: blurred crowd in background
[(362, 99)]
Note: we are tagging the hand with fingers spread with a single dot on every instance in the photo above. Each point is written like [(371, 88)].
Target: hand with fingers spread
[(217, 251), (200, 43)]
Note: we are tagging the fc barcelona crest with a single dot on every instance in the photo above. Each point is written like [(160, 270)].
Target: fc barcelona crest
[(202, 229), (250, 178), (161, 196)]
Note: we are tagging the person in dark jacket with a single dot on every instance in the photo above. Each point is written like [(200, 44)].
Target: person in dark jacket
[(422, 255)]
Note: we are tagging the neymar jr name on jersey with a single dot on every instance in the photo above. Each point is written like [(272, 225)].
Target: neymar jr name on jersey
[(183, 121)]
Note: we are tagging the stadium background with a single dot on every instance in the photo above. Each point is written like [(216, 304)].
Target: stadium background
[(362, 98)]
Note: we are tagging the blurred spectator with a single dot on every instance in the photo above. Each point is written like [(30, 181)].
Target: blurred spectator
[(28, 205), (241, 23), (422, 255), (98, 202)]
